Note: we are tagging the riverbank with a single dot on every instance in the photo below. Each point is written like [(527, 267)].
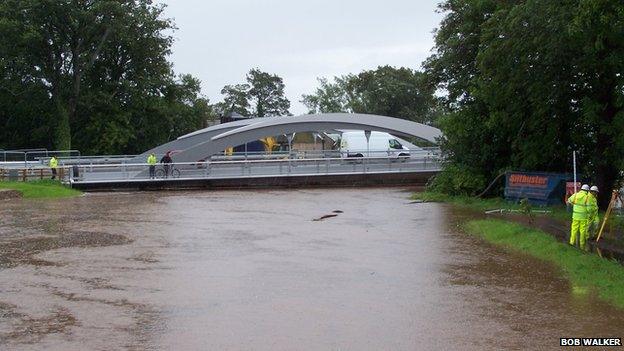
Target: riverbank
[(554, 220), (482, 205), (585, 271), (542, 235), (41, 189)]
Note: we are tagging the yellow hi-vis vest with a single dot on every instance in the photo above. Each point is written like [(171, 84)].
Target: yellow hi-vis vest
[(151, 159), (53, 162), (583, 203), (592, 209)]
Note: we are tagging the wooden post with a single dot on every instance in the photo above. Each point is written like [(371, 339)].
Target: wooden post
[(24, 174)]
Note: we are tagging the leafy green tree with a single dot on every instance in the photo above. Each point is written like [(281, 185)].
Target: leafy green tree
[(471, 146), (396, 92), (261, 96), (598, 27), (91, 75), (267, 94), (389, 91), (328, 97), (236, 99), (526, 83), (62, 40)]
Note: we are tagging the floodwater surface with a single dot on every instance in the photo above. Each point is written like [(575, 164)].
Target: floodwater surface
[(323, 269)]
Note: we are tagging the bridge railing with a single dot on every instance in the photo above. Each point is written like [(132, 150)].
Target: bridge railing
[(251, 168), (33, 158)]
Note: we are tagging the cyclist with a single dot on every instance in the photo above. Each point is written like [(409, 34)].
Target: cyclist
[(166, 161)]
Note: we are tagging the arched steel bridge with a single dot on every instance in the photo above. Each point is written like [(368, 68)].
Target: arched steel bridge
[(193, 163), (213, 140)]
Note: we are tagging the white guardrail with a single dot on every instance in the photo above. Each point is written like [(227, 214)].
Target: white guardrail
[(96, 173)]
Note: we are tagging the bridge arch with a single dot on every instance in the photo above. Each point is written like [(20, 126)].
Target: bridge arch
[(261, 127)]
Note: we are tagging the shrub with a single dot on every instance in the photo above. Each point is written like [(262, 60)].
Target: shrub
[(457, 180)]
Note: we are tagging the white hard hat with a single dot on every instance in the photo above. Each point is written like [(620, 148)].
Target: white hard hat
[(594, 188), (585, 187)]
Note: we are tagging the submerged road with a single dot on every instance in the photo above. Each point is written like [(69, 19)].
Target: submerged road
[(254, 270)]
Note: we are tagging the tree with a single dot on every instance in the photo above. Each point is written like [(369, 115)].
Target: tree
[(396, 92), (91, 75), (328, 97), (599, 28), (388, 91), (236, 99), (261, 96), (529, 81), (63, 39), (469, 144), (267, 94)]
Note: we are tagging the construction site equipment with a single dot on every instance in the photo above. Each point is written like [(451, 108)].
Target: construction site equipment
[(615, 196)]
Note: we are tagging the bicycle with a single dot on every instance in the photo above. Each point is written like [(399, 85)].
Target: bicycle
[(173, 173)]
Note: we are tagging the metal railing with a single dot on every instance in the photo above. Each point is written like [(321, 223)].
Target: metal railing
[(12, 156), (99, 159), (111, 168), (30, 157), (329, 153), (250, 168)]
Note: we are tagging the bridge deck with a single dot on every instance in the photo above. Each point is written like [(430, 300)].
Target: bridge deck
[(259, 173)]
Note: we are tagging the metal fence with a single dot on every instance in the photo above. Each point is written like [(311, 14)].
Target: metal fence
[(251, 168), (29, 157), (113, 168)]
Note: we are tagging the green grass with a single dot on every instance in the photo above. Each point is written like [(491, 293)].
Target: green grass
[(41, 189), (482, 205), (582, 269)]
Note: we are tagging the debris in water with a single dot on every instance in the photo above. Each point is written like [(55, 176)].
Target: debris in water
[(337, 211), (325, 216)]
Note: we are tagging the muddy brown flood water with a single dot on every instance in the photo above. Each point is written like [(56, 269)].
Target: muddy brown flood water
[(254, 270)]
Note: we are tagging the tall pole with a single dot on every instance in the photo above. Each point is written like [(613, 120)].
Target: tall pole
[(574, 166), (290, 138)]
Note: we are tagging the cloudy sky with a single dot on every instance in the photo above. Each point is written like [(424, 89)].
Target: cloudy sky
[(218, 41)]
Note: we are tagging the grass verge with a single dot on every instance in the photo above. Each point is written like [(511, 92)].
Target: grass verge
[(41, 189), (481, 205), (582, 269)]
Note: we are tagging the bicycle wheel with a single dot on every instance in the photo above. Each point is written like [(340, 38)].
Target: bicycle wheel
[(175, 173), (160, 173)]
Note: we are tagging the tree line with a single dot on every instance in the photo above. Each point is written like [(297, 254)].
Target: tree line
[(91, 75), (513, 85), (94, 75), (527, 82), (388, 91)]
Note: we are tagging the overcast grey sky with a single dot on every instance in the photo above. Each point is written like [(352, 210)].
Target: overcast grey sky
[(218, 41)]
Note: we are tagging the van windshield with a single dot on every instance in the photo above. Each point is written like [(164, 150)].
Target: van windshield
[(394, 144)]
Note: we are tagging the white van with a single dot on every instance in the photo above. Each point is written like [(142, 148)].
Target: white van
[(353, 144)]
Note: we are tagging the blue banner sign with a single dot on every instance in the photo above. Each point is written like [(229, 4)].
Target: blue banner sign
[(538, 187)]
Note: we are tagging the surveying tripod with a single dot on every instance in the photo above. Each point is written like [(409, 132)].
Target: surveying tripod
[(615, 195)]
